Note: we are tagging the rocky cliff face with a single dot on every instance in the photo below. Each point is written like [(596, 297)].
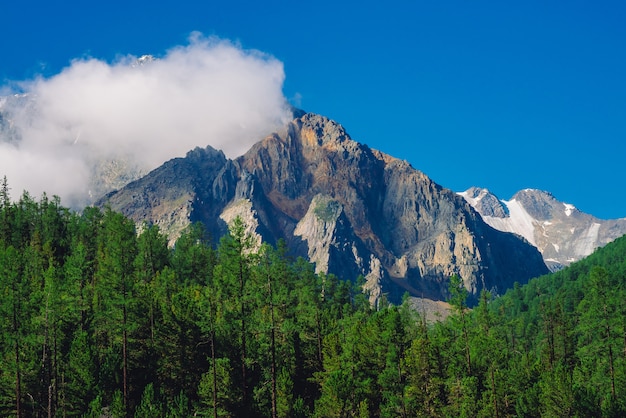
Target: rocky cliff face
[(562, 233), (350, 209), (183, 190)]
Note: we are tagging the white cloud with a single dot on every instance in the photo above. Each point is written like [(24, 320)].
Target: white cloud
[(208, 92)]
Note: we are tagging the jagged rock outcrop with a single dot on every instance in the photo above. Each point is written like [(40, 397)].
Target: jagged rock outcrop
[(183, 190), (562, 233), (350, 209), (333, 247)]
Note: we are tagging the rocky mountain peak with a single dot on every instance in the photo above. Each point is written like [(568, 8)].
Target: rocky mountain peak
[(143, 60), (540, 204), (485, 202), (562, 233), (351, 210), (317, 130)]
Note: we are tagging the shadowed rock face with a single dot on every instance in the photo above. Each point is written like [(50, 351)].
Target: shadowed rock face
[(350, 209)]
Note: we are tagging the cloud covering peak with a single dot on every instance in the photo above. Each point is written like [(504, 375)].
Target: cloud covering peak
[(140, 112)]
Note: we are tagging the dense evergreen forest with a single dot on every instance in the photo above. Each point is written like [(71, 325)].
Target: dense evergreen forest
[(98, 318)]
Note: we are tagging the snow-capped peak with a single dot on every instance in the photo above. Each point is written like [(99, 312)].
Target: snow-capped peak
[(485, 202), (547, 223), (474, 195), (143, 60)]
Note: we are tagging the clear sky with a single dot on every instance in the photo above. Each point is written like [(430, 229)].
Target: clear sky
[(502, 95)]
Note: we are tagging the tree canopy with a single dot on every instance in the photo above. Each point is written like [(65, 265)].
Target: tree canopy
[(98, 319)]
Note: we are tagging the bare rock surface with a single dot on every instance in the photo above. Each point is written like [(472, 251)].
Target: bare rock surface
[(352, 210)]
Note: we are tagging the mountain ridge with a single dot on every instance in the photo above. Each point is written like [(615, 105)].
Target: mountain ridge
[(561, 232), (352, 210)]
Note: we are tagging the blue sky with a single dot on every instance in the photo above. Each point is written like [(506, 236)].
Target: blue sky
[(502, 95)]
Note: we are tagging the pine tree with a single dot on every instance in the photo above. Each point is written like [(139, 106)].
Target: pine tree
[(153, 256), (5, 208), (598, 325), (14, 291), (114, 295), (233, 274), (458, 298)]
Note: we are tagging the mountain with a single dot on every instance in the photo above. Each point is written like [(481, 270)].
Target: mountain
[(8, 132), (106, 172), (562, 233), (349, 209)]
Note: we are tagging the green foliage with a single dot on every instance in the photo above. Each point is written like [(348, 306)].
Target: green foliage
[(98, 320), (149, 407), (327, 210)]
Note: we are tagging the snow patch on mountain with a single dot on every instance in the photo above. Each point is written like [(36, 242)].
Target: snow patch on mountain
[(514, 219), (518, 222), (587, 242)]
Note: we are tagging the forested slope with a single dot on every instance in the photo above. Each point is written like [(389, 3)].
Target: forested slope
[(571, 327), (96, 318)]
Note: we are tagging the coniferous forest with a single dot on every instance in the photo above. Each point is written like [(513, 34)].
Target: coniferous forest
[(100, 318)]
